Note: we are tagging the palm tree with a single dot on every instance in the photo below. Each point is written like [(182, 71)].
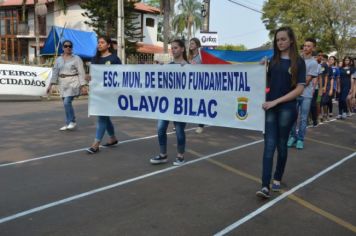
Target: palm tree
[(189, 17), (168, 7)]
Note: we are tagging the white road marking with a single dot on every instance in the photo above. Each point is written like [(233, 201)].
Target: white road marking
[(281, 197), (81, 150), (114, 185)]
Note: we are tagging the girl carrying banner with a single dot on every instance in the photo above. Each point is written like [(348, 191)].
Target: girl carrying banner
[(179, 57), (194, 57), (285, 80), (104, 55)]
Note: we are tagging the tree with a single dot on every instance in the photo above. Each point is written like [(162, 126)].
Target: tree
[(167, 6), (188, 18), (103, 19), (240, 47), (331, 22)]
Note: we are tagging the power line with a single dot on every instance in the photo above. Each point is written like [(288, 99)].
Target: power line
[(253, 3), (243, 5)]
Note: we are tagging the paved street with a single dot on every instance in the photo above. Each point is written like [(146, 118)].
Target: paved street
[(50, 186)]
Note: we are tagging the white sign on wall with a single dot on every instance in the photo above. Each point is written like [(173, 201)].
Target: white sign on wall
[(209, 39)]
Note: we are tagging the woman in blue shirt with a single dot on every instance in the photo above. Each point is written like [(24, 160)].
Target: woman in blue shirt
[(104, 55), (285, 80), (344, 88)]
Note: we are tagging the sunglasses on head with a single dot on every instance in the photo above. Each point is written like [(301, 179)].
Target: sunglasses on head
[(67, 46)]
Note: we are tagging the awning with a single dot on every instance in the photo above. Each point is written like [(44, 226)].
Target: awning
[(84, 43)]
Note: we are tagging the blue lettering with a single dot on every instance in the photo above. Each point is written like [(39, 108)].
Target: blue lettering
[(105, 78), (132, 106), (143, 104), (163, 104), (123, 102), (202, 108), (247, 87), (178, 109), (153, 104), (191, 112), (211, 113), (242, 82)]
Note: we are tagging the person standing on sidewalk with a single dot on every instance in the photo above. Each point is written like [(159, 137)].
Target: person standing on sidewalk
[(179, 57), (285, 80), (195, 58), (68, 72), (304, 101), (104, 55)]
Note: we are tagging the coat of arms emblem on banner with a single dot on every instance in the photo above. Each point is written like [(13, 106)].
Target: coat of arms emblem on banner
[(241, 112)]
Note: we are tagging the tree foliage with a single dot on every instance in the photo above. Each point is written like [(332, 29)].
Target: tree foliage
[(103, 19), (240, 47), (188, 19), (330, 22)]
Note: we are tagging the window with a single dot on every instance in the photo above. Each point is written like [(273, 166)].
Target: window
[(42, 25), (150, 22), (11, 48)]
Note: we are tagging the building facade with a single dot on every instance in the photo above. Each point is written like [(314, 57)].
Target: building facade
[(17, 30)]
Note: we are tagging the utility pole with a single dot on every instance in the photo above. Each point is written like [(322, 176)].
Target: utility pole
[(37, 35), (205, 12), (120, 31)]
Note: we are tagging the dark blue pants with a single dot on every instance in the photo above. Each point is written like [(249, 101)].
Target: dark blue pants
[(162, 135), (278, 125)]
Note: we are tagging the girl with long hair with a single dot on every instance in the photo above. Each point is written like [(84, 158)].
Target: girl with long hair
[(179, 57), (104, 55), (285, 80), (195, 58)]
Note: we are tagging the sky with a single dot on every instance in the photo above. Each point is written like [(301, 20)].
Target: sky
[(236, 24)]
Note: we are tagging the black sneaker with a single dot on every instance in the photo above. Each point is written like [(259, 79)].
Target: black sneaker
[(263, 193), (179, 161), (159, 159), (92, 150)]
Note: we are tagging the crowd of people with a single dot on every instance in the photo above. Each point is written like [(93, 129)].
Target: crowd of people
[(300, 87)]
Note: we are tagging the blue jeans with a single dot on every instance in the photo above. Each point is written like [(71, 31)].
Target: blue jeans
[(68, 108), (278, 124), (162, 135), (103, 124), (303, 107)]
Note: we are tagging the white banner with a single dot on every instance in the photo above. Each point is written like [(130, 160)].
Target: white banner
[(24, 80), (219, 95)]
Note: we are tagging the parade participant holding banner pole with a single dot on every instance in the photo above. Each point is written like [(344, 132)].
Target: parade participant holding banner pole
[(68, 72), (179, 57), (194, 57), (285, 81), (104, 55)]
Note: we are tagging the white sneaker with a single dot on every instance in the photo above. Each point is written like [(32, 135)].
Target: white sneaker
[(63, 128), (349, 114), (71, 125), (343, 115), (199, 130)]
